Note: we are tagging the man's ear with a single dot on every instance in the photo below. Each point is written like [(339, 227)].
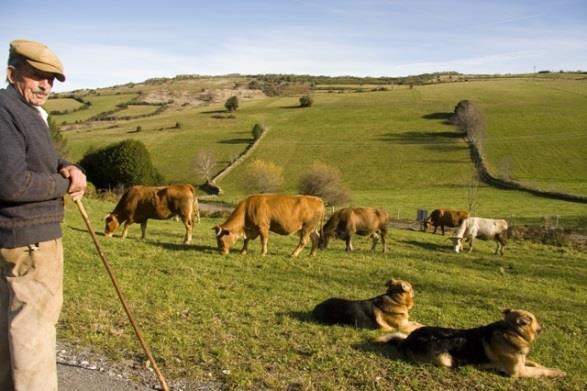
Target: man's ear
[(10, 74)]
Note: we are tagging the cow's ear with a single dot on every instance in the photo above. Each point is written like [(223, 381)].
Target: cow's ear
[(217, 230)]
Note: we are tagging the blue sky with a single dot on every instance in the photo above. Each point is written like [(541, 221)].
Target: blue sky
[(104, 43)]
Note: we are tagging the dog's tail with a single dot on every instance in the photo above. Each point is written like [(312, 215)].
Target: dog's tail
[(394, 339)]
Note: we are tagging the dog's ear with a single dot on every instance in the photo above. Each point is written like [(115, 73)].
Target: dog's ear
[(406, 287), (523, 320), (506, 311), (390, 283)]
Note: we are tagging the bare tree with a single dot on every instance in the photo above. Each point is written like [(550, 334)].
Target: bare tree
[(471, 190), (324, 181), (263, 176), (469, 119), (203, 164)]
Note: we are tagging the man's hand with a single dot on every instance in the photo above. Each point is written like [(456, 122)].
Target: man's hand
[(77, 181)]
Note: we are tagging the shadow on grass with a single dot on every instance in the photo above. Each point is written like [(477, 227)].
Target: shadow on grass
[(302, 316), (382, 349), (433, 139), (445, 117), (292, 107), (215, 112), (430, 246), (236, 141), (186, 247)]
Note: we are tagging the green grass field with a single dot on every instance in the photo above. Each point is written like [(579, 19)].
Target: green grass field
[(245, 320), (99, 104), (62, 104)]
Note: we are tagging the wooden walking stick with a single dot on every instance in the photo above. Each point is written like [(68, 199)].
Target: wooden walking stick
[(120, 296)]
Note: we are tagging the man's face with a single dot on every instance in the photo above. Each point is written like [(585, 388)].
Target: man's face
[(34, 85)]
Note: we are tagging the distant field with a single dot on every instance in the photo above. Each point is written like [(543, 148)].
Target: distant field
[(62, 104), (136, 110), (393, 147), (99, 105)]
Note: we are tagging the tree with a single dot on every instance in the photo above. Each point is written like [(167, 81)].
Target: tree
[(469, 119), (59, 141), (258, 130), (126, 163), (263, 176), (324, 181), (203, 164), (231, 103), (306, 101)]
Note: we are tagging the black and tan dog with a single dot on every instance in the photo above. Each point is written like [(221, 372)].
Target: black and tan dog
[(502, 345), (388, 311)]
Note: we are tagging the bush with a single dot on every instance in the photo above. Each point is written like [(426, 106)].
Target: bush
[(263, 177), (126, 163), (324, 181), (258, 130), (469, 119), (231, 103), (59, 141), (306, 101)]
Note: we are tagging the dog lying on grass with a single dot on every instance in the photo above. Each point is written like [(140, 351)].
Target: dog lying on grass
[(502, 345), (388, 311)]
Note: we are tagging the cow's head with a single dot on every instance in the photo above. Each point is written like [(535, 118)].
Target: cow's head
[(457, 244), (111, 225), (225, 239)]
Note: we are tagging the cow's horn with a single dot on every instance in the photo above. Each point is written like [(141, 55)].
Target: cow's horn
[(217, 229)]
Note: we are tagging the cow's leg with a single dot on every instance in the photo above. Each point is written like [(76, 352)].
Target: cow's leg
[(470, 244), (349, 244), (188, 223), (125, 230), (264, 235), (442, 228), (245, 245), (143, 230), (304, 237), (315, 237), (375, 238), (500, 244), (197, 210), (435, 228), (383, 243)]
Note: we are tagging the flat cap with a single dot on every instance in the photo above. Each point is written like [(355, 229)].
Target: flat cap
[(39, 56)]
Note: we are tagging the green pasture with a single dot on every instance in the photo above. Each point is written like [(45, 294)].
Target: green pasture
[(246, 320), (99, 104), (394, 148), (62, 104), (136, 110)]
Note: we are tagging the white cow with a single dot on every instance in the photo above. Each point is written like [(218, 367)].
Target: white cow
[(485, 229)]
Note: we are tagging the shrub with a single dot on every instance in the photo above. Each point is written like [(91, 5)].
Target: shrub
[(263, 177), (126, 163), (306, 101), (203, 164), (231, 103), (324, 181), (258, 130), (469, 119)]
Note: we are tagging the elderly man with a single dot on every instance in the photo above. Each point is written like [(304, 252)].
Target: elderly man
[(33, 181)]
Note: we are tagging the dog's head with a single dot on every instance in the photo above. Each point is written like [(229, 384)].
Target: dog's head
[(522, 325), (401, 291)]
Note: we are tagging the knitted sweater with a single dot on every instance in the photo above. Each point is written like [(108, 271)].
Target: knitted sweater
[(31, 188)]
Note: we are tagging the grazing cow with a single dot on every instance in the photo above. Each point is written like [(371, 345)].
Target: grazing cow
[(345, 222), (258, 214), (485, 229), (445, 217), (140, 203)]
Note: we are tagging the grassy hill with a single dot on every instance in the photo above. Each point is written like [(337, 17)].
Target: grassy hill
[(245, 320)]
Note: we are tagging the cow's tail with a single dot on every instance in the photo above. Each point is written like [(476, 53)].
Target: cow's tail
[(196, 206)]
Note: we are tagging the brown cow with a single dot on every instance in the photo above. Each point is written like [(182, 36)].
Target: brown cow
[(445, 217), (258, 214), (140, 203), (345, 222)]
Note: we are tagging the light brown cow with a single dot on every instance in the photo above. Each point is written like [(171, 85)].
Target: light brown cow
[(346, 222), (258, 214), (445, 217), (140, 203)]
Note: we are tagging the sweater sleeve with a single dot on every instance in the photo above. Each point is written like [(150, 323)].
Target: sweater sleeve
[(17, 183)]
